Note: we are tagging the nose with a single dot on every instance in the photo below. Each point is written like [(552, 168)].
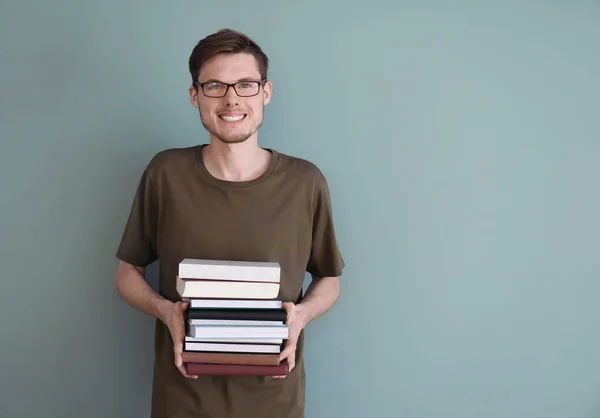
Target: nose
[(231, 98)]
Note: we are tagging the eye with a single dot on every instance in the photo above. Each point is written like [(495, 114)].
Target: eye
[(213, 86)]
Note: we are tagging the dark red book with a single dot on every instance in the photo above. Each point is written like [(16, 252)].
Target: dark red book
[(214, 369)]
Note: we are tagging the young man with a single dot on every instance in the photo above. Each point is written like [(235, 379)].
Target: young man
[(229, 199)]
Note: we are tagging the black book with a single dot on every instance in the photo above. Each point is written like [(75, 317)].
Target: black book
[(239, 314)]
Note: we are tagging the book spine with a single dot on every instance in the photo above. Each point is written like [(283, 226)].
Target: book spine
[(231, 358), (239, 314), (236, 369)]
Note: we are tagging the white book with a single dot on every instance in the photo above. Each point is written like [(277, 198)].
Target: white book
[(234, 303), (233, 348), (233, 331), (251, 271), (226, 290), (235, 340)]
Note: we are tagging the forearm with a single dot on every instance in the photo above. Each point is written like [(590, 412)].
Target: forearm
[(320, 296), (134, 289)]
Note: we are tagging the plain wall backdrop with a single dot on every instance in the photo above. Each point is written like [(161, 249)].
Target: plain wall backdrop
[(461, 141)]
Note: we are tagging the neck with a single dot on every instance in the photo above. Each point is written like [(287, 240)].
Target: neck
[(243, 161)]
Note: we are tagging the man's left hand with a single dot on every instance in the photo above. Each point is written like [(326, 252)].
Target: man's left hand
[(295, 322)]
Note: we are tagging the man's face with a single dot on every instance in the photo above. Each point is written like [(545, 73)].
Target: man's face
[(231, 118)]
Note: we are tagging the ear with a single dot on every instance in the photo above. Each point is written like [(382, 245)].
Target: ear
[(193, 96), (267, 92)]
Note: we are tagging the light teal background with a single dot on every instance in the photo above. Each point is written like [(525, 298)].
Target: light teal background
[(461, 141)]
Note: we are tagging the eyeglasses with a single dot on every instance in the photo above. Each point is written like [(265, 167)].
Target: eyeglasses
[(246, 88)]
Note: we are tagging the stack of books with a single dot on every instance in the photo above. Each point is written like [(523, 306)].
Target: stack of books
[(235, 325)]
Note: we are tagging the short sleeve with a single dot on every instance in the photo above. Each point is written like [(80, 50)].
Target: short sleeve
[(138, 242), (325, 257)]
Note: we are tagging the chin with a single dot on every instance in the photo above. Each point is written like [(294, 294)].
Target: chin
[(232, 139)]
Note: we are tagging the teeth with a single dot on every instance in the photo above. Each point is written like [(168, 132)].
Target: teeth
[(232, 118)]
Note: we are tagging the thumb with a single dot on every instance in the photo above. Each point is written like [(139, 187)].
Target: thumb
[(177, 349), (289, 308)]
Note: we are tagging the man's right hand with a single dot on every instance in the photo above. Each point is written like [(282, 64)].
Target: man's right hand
[(133, 288), (174, 320)]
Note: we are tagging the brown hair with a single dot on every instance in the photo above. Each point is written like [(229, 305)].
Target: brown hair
[(226, 41)]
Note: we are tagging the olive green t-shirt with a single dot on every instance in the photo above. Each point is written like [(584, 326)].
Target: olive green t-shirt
[(180, 210)]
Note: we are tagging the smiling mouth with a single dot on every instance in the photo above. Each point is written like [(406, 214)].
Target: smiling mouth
[(232, 118)]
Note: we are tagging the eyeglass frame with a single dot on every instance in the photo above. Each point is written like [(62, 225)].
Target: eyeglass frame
[(200, 85)]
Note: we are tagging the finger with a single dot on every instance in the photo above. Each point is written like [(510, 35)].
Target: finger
[(184, 372), (178, 358), (287, 351), (292, 341), (291, 364), (178, 350), (179, 363)]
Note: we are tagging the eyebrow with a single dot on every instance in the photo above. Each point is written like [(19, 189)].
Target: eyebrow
[(214, 80)]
